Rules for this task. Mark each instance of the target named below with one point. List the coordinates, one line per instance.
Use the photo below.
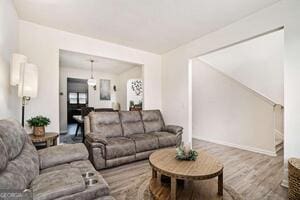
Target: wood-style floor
(252, 175)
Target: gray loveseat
(51, 173)
(115, 138)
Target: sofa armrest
(62, 154)
(174, 129)
(97, 152)
(96, 138)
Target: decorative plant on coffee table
(185, 152)
(38, 123)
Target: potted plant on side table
(38, 123)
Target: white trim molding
(63, 131)
(285, 183)
(243, 147)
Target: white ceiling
(151, 25)
(69, 59)
(256, 63)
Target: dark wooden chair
(80, 120)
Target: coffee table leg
(154, 173)
(220, 184)
(173, 188)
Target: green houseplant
(185, 152)
(38, 123)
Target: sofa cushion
(82, 165)
(3, 156)
(57, 183)
(131, 122)
(144, 141)
(62, 154)
(55, 168)
(98, 190)
(13, 136)
(152, 120)
(119, 146)
(106, 123)
(21, 170)
(165, 139)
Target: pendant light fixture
(92, 81)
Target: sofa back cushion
(23, 161)
(152, 120)
(106, 123)
(131, 122)
(3, 156)
(20, 171)
(13, 136)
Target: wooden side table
(48, 139)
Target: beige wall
(256, 63)
(175, 84)
(175, 63)
(9, 102)
(226, 112)
(42, 44)
(291, 80)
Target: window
(77, 98)
(82, 98)
(73, 98)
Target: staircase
(275, 133)
(257, 66)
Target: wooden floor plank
(252, 175)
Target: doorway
(237, 94)
(108, 90)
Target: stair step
(278, 141)
(279, 147)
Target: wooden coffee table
(205, 167)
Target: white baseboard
(247, 148)
(285, 183)
(63, 131)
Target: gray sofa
(51, 173)
(115, 138)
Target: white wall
(226, 112)
(291, 81)
(256, 63)
(41, 44)
(134, 73)
(175, 62)
(94, 95)
(8, 44)
(175, 66)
